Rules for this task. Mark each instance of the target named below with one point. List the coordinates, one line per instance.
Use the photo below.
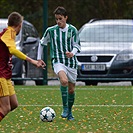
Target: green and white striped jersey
(61, 41)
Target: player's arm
(76, 42)
(22, 56)
(39, 54)
(76, 45)
(40, 51)
(8, 39)
(17, 53)
(72, 53)
(43, 42)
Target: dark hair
(14, 19)
(60, 11)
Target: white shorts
(70, 72)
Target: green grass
(98, 109)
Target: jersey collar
(65, 29)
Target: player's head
(15, 20)
(61, 16)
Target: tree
(79, 11)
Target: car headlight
(124, 57)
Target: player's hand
(41, 63)
(69, 54)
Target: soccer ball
(47, 114)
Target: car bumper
(117, 71)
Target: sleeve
(9, 39)
(46, 38)
(43, 42)
(17, 53)
(74, 51)
(76, 41)
(40, 51)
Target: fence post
(45, 23)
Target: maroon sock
(1, 116)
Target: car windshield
(107, 33)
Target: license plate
(92, 67)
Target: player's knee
(71, 91)
(64, 82)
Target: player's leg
(1, 116)
(60, 70)
(64, 92)
(13, 97)
(7, 103)
(71, 98)
(72, 76)
(4, 98)
(4, 106)
(13, 102)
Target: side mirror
(30, 40)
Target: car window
(2, 26)
(29, 31)
(107, 33)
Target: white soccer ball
(47, 114)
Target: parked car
(106, 51)
(26, 41)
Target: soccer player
(8, 99)
(64, 44)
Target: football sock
(71, 98)
(1, 116)
(64, 94)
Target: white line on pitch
(83, 105)
(57, 89)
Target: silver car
(26, 41)
(106, 51)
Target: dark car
(106, 51)
(26, 41)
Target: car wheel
(39, 82)
(91, 82)
(23, 75)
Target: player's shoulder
(51, 28)
(8, 33)
(11, 32)
(72, 27)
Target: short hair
(60, 11)
(14, 19)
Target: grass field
(97, 109)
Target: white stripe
(66, 43)
(55, 38)
(72, 42)
(61, 46)
(66, 40)
(81, 105)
